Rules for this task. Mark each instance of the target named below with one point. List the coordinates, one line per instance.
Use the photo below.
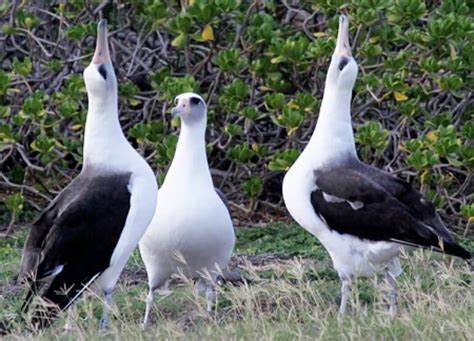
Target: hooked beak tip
(342, 19)
(175, 112)
(102, 25)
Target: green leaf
(180, 41)
(240, 153)
(4, 82)
(23, 67)
(253, 186)
(372, 135)
(283, 160)
(14, 203)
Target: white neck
(103, 132)
(333, 135)
(190, 159)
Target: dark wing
(31, 255)
(371, 206)
(74, 239)
(418, 206)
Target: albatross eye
(102, 71)
(343, 63)
(195, 101)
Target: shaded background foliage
(261, 65)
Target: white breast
(193, 222)
(298, 184)
(143, 189)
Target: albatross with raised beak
(362, 215)
(89, 230)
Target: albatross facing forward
(90, 229)
(362, 215)
(193, 232)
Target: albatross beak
(175, 112)
(343, 48)
(101, 55)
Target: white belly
(191, 232)
(351, 256)
(354, 257)
(144, 191)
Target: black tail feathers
(457, 250)
(52, 302)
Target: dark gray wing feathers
(77, 235)
(387, 209)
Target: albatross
(87, 233)
(193, 235)
(363, 216)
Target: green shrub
(262, 69)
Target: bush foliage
(261, 65)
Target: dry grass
(291, 298)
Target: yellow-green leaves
(26, 19)
(4, 82)
(253, 186)
(180, 40)
(372, 135)
(262, 72)
(240, 153)
(7, 136)
(129, 91)
(468, 211)
(230, 61)
(400, 96)
(169, 87)
(207, 33)
(22, 67)
(406, 11)
(33, 105)
(283, 160)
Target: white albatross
(362, 215)
(89, 230)
(191, 232)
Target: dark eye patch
(102, 71)
(195, 101)
(343, 63)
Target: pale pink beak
(101, 55)
(343, 48)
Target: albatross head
(190, 107)
(342, 72)
(99, 76)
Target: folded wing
(62, 248)
(370, 204)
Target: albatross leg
(345, 290)
(104, 321)
(71, 316)
(207, 286)
(210, 297)
(150, 298)
(149, 302)
(392, 283)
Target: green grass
(288, 298)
